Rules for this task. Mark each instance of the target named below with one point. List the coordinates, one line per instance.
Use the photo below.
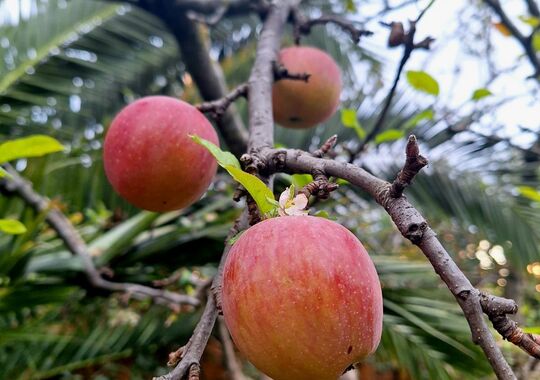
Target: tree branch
(412, 226)
(533, 8)
(525, 41)
(219, 106)
(191, 353)
(497, 309)
(262, 76)
(302, 26)
(413, 164)
(206, 73)
(396, 38)
(231, 362)
(73, 241)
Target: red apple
(298, 104)
(301, 298)
(151, 161)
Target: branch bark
(192, 352)
(412, 226)
(407, 40)
(262, 76)
(76, 245)
(302, 26)
(206, 73)
(525, 41)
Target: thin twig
(76, 245)
(231, 361)
(216, 108)
(281, 72)
(498, 309)
(173, 278)
(532, 6)
(408, 47)
(260, 80)
(192, 352)
(320, 187)
(302, 26)
(413, 164)
(525, 41)
(325, 147)
(412, 226)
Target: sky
(445, 22)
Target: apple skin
(151, 161)
(297, 104)
(301, 298)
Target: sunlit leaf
(350, 120)
(422, 81)
(480, 93)
(389, 135)
(536, 41)
(350, 6)
(323, 214)
(223, 158)
(255, 187)
(301, 180)
(31, 146)
(530, 20)
(529, 192)
(3, 173)
(12, 227)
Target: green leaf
(12, 227)
(31, 146)
(235, 238)
(273, 201)
(531, 329)
(530, 20)
(536, 41)
(301, 180)
(424, 115)
(389, 135)
(255, 187)
(350, 6)
(223, 158)
(322, 214)
(350, 120)
(480, 93)
(422, 81)
(529, 192)
(3, 173)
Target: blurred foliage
(68, 66)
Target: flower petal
(301, 201)
(284, 197)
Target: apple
(301, 298)
(299, 104)
(151, 161)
